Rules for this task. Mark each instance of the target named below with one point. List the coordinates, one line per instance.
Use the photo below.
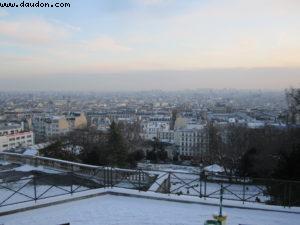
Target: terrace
(30, 185)
(131, 209)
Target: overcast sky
(151, 44)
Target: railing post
(105, 178)
(139, 180)
(205, 183)
(290, 193)
(284, 195)
(72, 174)
(111, 178)
(169, 183)
(244, 189)
(200, 184)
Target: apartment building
(152, 129)
(45, 127)
(192, 141)
(166, 136)
(13, 136)
(76, 120)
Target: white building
(152, 129)
(13, 136)
(191, 141)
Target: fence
(269, 191)
(36, 185)
(80, 177)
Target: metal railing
(268, 191)
(36, 185)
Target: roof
(111, 210)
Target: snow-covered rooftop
(121, 210)
(214, 169)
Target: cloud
(209, 34)
(33, 31)
(66, 25)
(104, 44)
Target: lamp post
(221, 201)
(220, 217)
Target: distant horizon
(165, 80)
(149, 90)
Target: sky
(113, 45)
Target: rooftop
(126, 210)
(8, 126)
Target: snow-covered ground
(169, 167)
(119, 210)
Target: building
(76, 120)
(190, 137)
(13, 136)
(46, 127)
(153, 128)
(166, 136)
(191, 141)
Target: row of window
(9, 132)
(17, 144)
(18, 138)
(190, 134)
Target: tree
(134, 157)
(248, 161)
(293, 101)
(158, 152)
(56, 150)
(286, 193)
(116, 148)
(173, 118)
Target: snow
(28, 168)
(30, 151)
(117, 210)
(4, 163)
(169, 168)
(214, 169)
(158, 182)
